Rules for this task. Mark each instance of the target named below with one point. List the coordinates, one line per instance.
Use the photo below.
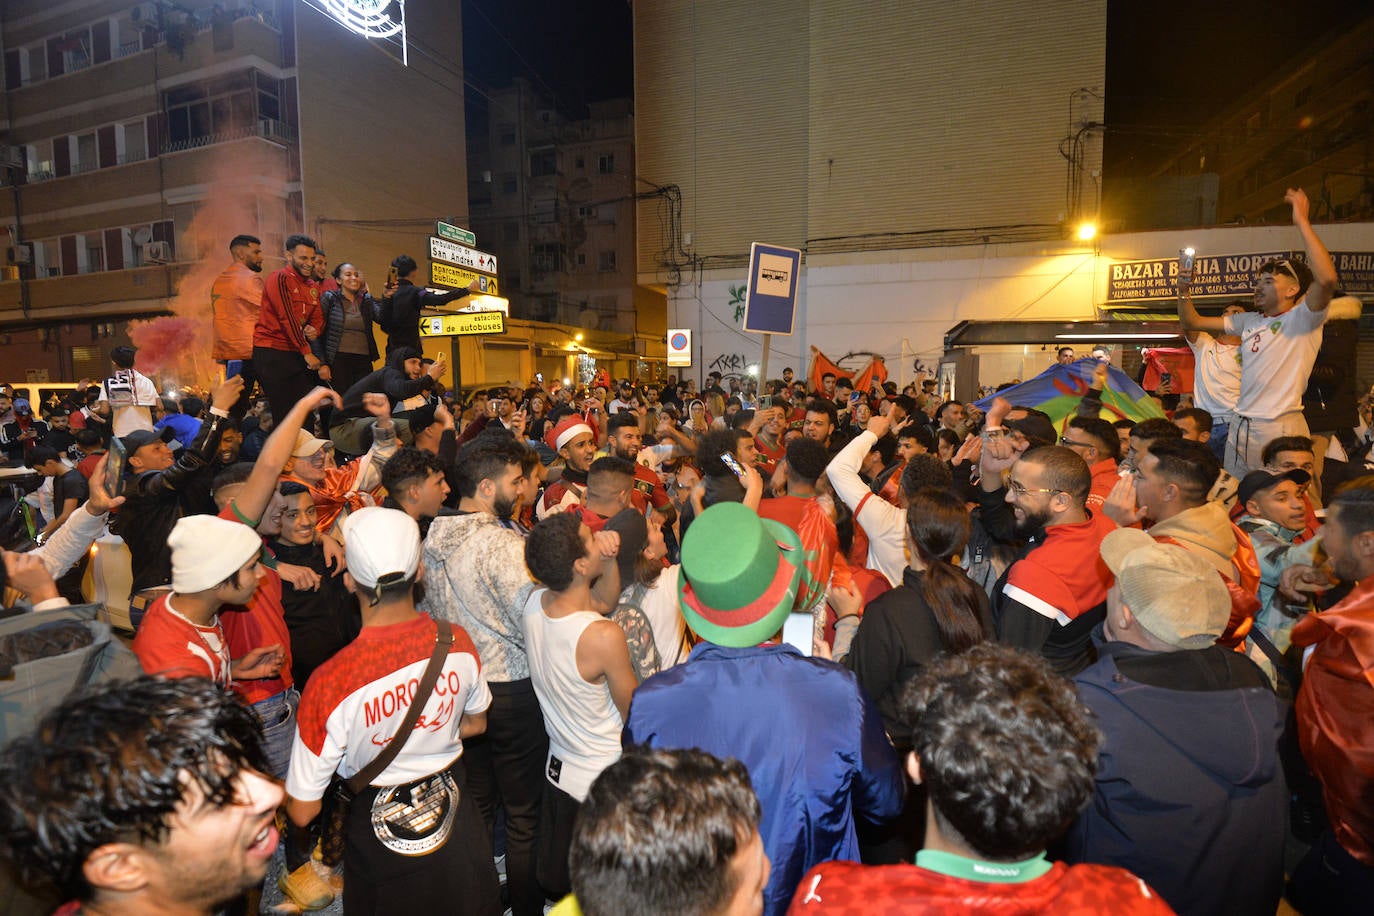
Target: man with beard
(1050, 600)
(476, 577)
(145, 796)
(625, 441)
(289, 319)
(575, 443)
(235, 298)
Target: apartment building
(137, 138)
(553, 198)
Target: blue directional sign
(770, 304)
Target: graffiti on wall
(737, 294)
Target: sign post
(455, 234)
(770, 301)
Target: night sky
(1171, 64)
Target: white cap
(206, 550)
(380, 543)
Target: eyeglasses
(1022, 490)
(319, 458)
(1065, 440)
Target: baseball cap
(1173, 593)
(141, 437)
(1262, 479)
(382, 545)
(307, 445)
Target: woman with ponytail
(937, 609)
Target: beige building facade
(137, 139)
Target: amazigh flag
(1058, 390)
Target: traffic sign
(447, 276)
(461, 255)
(770, 303)
(455, 233)
(463, 324)
(679, 347)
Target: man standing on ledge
(1278, 342)
(289, 320)
(400, 310)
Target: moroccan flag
(1176, 362)
(820, 365)
(873, 376)
(1058, 390)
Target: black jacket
(390, 380)
(321, 621)
(332, 304)
(402, 313)
(155, 500)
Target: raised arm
(252, 500)
(1188, 316)
(1318, 258)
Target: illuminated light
(567, 381)
(1189, 252)
(578, 337)
(1144, 335)
(1304, 122)
(1087, 232)
(752, 369)
(368, 18)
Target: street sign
(463, 324)
(461, 255)
(455, 234)
(770, 302)
(679, 347)
(446, 276)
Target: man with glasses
(1278, 342)
(1050, 600)
(1096, 442)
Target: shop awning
(1122, 329)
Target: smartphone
(118, 456)
(797, 631)
(731, 462)
(766, 402)
(392, 276)
(232, 368)
(1185, 259)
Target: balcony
(95, 295)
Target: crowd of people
(637, 647)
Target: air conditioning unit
(12, 157)
(157, 253)
(21, 254)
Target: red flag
(873, 376)
(820, 365)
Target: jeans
(505, 769)
(1217, 443)
(277, 715)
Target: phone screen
(114, 467)
(731, 462)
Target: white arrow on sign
(452, 253)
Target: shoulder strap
(442, 641)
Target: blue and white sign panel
(770, 304)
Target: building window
(508, 184)
(33, 63)
(90, 253)
(84, 156)
(581, 259)
(543, 162)
(506, 136)
(605, 164)
(133, 140)
(546, 258)
(580, 162)
(586, 212)
(605, 261)
(47, 258)
(224, 108)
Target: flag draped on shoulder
(1058, 390)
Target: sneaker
(306, 889)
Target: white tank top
(582, 720)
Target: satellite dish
(589, 319)
(143, 235)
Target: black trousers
(459, 877)
(285, 379)
(505, 769)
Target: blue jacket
(811, 739)
(1190, 796)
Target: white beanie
(381, 542)
(206, 550)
